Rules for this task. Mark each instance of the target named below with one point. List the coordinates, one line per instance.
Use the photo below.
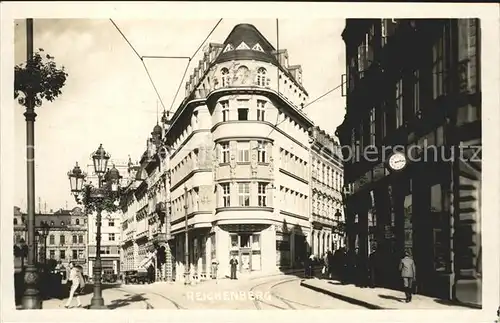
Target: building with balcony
(66, 236)
(416, 83)
(326, 182)
(110, 232)
(145, 204)
(239, 162)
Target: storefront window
(256, 242)
(244, 241)
(234, 241)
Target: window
(75, 239)
(77, 221)
(256, 241)
(372, 126)
(52, 223)
(416, 91)
(226, 195)
(80, 239)
(225, 75)
(242, 113)
(52, 239)
(15, 221)
(244, 194)
(18, 238)
(399, 103)
(261, 110)
(262, 194)
(52, 254)
(261, 153)
(225, 152)
(351, 72)
(261, 77)
(74, 254)
(62, 254)
(62, 239)
(111, 223)
(243, 151)
(362, 58)
(234, 241)
(245, 240)
(111, 236)
(80, 254)
(439, 66)
(62, 223)
(467, 54)
(225, 110)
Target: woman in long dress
(77, 282)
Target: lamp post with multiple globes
(97, 199)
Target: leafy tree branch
(92, 204)
(40, 77)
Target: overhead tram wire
(142, 61)
(189, 62)
(306, 105)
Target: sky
(109, 99)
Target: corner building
(228, 163)
(417, 83)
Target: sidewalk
(377, 298)
(113, 299)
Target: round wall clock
(397, 161)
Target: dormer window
(243, 45)
(257, 47)
(228, 48)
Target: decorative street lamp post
(44, 233)
(98, 199)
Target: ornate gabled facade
(326, 187)
(145, 203)
(242, 108)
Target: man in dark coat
(234, 264)
(408, 272)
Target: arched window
(15, 221)
(62, 223)
(225, 77)
(52, 223)
(77, 221)
(242, 75)
(261, 76)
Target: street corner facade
(239, 185)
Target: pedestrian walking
(408, 272)
(234, 264)
(324, 270)
(77, 285)
(331, 264)
(151, 273)
(215, 269)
